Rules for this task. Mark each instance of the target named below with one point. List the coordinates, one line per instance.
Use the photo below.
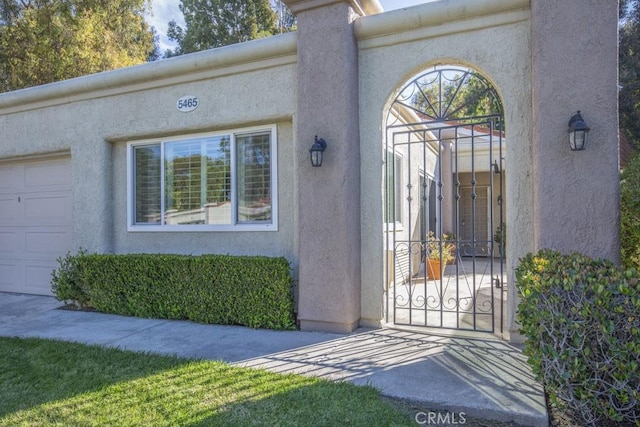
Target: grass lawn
(49, 383)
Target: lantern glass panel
(316, 158)
(577, 139)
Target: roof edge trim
(122, 79)
(431, 14)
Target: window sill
(393, 226)
(201, 228)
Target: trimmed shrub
(581, 318)
(630, 214)
(240, 290)
(67, 281)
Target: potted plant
(439, 252)
(449, 240)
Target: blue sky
(165, 10)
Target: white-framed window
(222, 181)
(394, 173)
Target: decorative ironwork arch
(448, 94)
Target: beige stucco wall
(93, 117)
(390, 56)
(576, 193)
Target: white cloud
(163, 11)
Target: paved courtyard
(470, 295)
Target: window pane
(398, 199)
(388, 211)
(198, 181)
(184, 183)
(254, 177)
(147, 184)
(218, 180)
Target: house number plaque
(187, 103)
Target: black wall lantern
(578, 131)
(316, 151)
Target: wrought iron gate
(444, 220)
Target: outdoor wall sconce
(578, 131)
(316, 151)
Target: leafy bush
(67, 281)
(251, 291)
(630, 214)
(581, 318)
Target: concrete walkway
(483, 377)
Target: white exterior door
(35, 223)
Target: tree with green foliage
(43, 41)
(629, 71)
(215, 23)
(286, 19)
(630, 213)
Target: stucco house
(447, 118)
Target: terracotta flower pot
(434, 269)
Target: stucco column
(574, 67)
(328, 196)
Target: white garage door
(35, 223)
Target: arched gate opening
(443, 203)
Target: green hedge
(581, 318)
(630, 213)
(222, 289)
